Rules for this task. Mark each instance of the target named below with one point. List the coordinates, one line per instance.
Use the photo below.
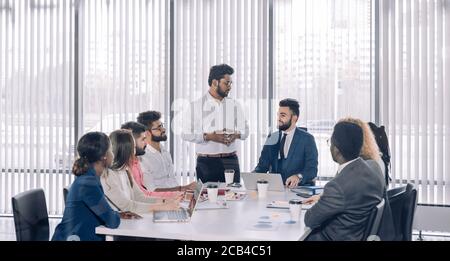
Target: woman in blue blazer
(86, 206)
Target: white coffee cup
(213, 190)
(229, 176)
(262, 186)
(295, 207)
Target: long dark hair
(123, 148)
(91, 148)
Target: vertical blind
(215, 32)
(322, 52)
(36, 99)
(123, 61)
(122, 71)
(415, 87)
(323, 56)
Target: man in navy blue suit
(291, 151)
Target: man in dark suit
(343, 209)
(291, 151)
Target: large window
(323, 59)
(123, 61)
(36, 99)
(415, 91)
(69, 67)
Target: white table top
(232, 224)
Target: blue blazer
(301, 158)
(86, 208)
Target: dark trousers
(212, 169)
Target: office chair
(31, 216)
(373, 223)
(403, 202)
(395, 192)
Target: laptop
(182, 214)
(274, 179)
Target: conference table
(244, 220)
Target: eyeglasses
(160, 127)
(228, 83)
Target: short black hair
(348, 138)
(217, 72)
(148, 117)
(293, 105)
(135, 127)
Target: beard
(163, 137)
(285, 126)
(221, 93)
(335, 153)
(139, 151)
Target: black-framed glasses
(228, 83)
(160, 127)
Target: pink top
(138, 176)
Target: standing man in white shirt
(215, 124)
(156, 163)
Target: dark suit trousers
(212, 169)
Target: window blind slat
(431, 99)
(408, 89)
(398, 99)
(439, 103)
(446, 85)
(423, 100)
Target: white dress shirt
(342, 166)
(158, 169)
(287, 144)
(209, 115)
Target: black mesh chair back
(403, 202)
(31, 216)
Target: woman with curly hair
(369, 150)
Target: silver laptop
(182, 214)
(274, 179)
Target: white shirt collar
(289, 133)
(342, 166)
(149, 148)
(210, 97)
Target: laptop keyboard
(177, 215)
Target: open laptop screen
(195, 197)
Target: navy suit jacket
(301, 158)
